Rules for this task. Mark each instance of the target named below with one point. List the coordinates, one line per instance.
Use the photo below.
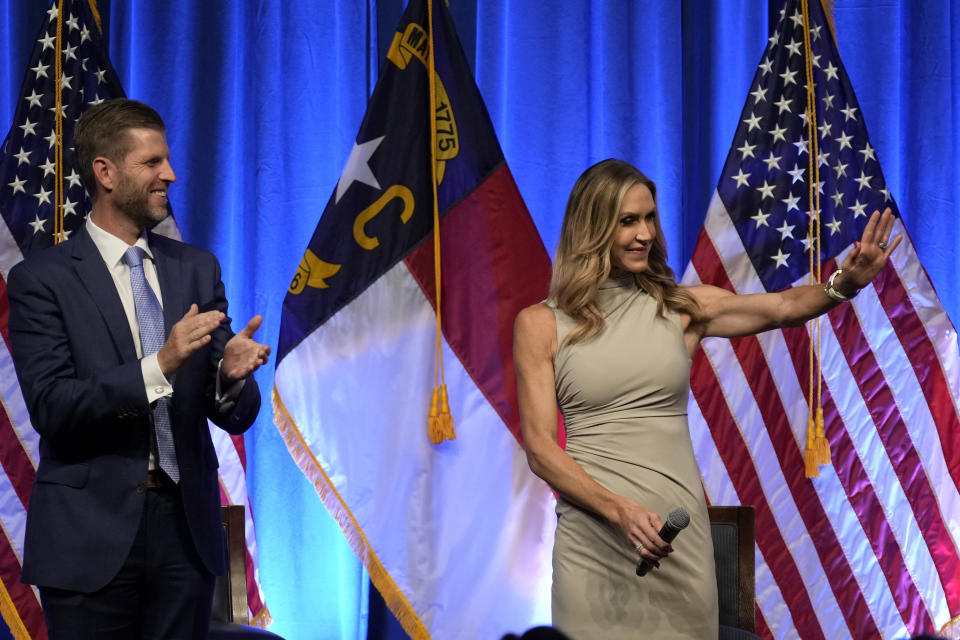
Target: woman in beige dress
(612, 347)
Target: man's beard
(135, 204)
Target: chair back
(733, 553)
(230, 590)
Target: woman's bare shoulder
(536, 325)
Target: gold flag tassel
(440, 421)
(818, 447)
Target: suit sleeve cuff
(227, 399)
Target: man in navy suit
(123, 532)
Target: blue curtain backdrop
(263, 98)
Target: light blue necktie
(152, 337)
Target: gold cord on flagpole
(818, 447)
(440, 421)
(96, 14)
(58, 234)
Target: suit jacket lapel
(96, 278)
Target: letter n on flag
(455, 536)
(869, 548)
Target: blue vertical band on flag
(381, 208)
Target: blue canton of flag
(766, 180)
(27, 163)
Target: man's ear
(105, 171)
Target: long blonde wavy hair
(583, 263)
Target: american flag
(28, 173)
(869, 549)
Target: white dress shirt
(112, 249)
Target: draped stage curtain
(263, 98)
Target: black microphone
(677, 520)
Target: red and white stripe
(871, 548)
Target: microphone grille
(678, 518)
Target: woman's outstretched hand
(868, 256)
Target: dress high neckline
(621, 282)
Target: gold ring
(640, 547)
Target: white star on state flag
(358, 167)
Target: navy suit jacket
(82, 383)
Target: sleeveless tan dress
(623, 396)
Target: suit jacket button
(141, 488)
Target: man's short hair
(102, 131)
